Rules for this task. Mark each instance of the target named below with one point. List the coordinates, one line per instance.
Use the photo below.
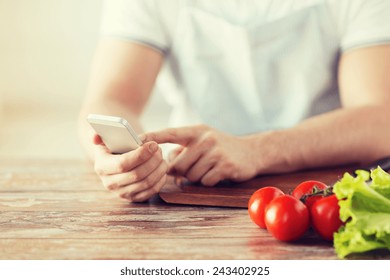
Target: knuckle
(215, 157)
(136, 175)
(207, 144)
(172, 132)
(112, 186)
(212, 180)
(127, 196)
(143, 155)
(142, 197)
(210, 139)
(234, 176)
(147, 183)
(201, 127)
(223, 173)
(161, 184)
(150, 136)
(180, 170)
(229, 167)
(136, 199)
(150, 181)
(193, 177)
(173, 155)
(121, 164)
(98, 168)
(219, 154)
(206, 182)
(218, 172)
(156, 189)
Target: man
(258, 87)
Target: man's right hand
(136, 175)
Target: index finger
(180, 135)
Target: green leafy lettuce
(365, 207)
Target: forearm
(122, 77)
(352, 135)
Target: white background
(291, 269)
(46, 47)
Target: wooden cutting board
(238, 194)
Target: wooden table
(58, 209)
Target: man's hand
(207, 155)
(136, 175)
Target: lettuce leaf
(381, 182)
(365, 209)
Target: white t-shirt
(248, 66)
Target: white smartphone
(116, 133)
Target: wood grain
(57, 209)
(158, 248)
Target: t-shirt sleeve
(365, 23)
(134, 20)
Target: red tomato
(287, 218)
(259, 201)
(306, 188)
(325, 214)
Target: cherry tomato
(259, 201)
(307, 188)
(325, 214)
(287, 218)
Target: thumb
(100, 147)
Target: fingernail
(142, 137)
(153, 147)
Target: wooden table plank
(47, 175)
(61, 201)
(153, 223)
(158, 248)
(57, 209)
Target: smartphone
(116, 133)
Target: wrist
(272, 152)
